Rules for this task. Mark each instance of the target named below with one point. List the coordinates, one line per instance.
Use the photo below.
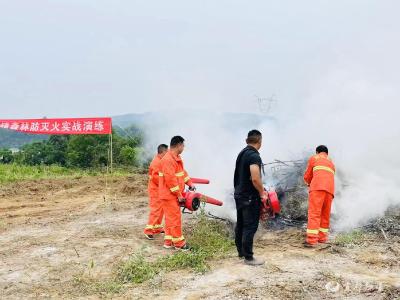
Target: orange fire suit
(319, 176)
(173, 178)
(154, 224)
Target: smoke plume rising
(354, 116)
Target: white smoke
(210, 152)
(349, 101)
(356, 118)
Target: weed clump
(355, 237)
(209, 239)
(136, 270)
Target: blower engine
(272, 205)
(194, 199)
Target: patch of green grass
(210, 237)
(15, 172)
(136, 270)
(195, 260)
(355, 237)
(209, 240)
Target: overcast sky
(92, 58)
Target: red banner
(60, 126)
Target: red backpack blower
(270, 206)
(194, 199)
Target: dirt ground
(54, 231)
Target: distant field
(14, 172)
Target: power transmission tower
(266, 104)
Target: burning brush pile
(287, 178)
(389, 224)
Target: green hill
(12, 139)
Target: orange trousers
(319, 213)
(154, 224)
(173, 223)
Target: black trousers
(248, 218)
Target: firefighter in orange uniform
(319, 176)
(173, 178)
(154, 224)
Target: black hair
(322, 148)
(162, 148)
(253, 137)
(176, 140)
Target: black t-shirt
(244, 188)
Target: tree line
(80, 151)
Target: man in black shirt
(249, 191)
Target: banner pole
(108, 154)
(111, 151)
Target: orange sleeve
(154, 175)
(187, 179)
(171, 181)
(308, 175)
